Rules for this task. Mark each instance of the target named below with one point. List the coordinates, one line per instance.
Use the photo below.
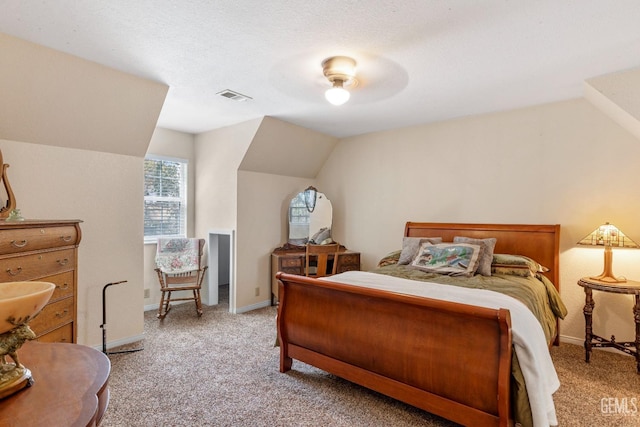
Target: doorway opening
(220, 268)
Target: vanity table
(291, 259)
(310, 218)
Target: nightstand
(591, 340)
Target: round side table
(592, 340)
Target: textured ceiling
(419, 61)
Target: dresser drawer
(291, 262)
(65, 285)
(348, 262)
(31, 239)
(62, 334)
(36, 266)
(293, 270)
(53, 316)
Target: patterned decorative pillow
(516, 265)
(484, 268)
(390, 259)
(454, 259)
(410, 246)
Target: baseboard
(150, 307)
(571, 340)
(239, 310)
(251, 307)
(118, 343)
(154, 307)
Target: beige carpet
(222, 370)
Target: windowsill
(154, 240)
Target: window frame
(183, 199)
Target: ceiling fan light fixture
(341, 72)
(337, 95)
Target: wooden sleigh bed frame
(403, 346)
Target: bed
(451, 357)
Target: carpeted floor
(222, 370)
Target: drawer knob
(20, 244)
(14, 272)
(63, 261)
(66, 238)
(64, 287)
(61, 314)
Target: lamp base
(608, 279)
(607, 274)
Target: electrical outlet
(257, 292)
(147, 293)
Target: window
(298, 212)
(165, 198)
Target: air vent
(233, 95)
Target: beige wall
(561, 163)
(263, 203)
(104, 191)
(218, 156)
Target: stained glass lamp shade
(608, 235)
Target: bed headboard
(539, 242)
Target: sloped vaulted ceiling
(282, 148)
(618, 96)
(53, 98)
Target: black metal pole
(104, 321)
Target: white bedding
(528, 338)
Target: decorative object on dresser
(608, 235)
(20, 302)
(15, 215)
(591, 340)
(10, 204)
(45, 251)
(70, 388)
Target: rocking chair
(178, 264)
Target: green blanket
(537, 293)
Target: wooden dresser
(47, 251)
(290, 259)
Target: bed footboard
(450, 359)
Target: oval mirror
(310, 218)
